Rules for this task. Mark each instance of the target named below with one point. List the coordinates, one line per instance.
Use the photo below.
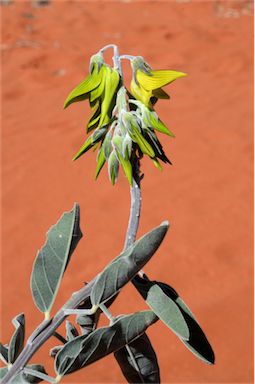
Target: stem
(40, 375)
(135, 209)
(60, 337)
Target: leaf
(84, 350)
(53, 258)
(145, 358)
(17, 341)
(197, 343)
(163, 306)
(4, 353)
(71, 331)
(3, 372)
(33, 379)
(100, 162)
(126, 265)
(23, 378)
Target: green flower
(100, 88)
(146, 84)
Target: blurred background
(206, 194)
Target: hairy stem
(135, 209)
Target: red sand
(206, 194)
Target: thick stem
(135, 209)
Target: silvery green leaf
(17, 341)
(146, 369)
(52, 259)
(4, 353)
(197, 343)
(23, 378)
(84, 350)
(71, 331)
(55, 350)
(163, 306)
(127, 264)
(3, 372)
(30, 378)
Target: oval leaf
(163, 306)
(125, 267)
(71, 331)
(52, 259)
(145, 358)
(4, 353)
(17, 340)
(197, 343)
(84, 350)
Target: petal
(82, 89)
(160, 94)
(85, 147)
(112, 79)
(157, 79)
(140, 93)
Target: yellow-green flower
(100, 88)
(147, 83)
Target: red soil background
(206, 194)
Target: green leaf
(82, 89)
(197, 343)
(17, 341)
(163, 306)
(100, 162)
(4, 353)
(145, 359)
(52, 259)
(71, 331)
(126, 265)
(84, 350)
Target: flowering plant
(123, 127)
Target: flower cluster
(123, 122)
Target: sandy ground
(206, 194)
